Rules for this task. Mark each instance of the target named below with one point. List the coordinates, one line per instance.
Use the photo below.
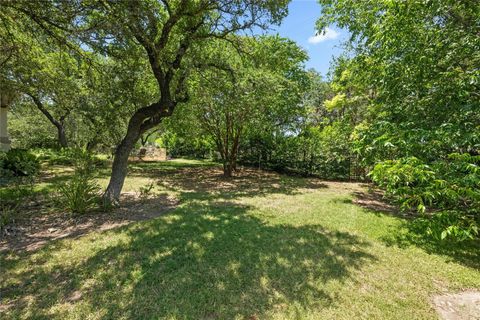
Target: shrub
(65, 156)
(19, 162)
(145, 191)
(450, 225)
(56, 157)
(451, 186)
(80, 193)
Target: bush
(450, 186)
(145, 191)
(19, 162)
(65, 156)
(321, 150)
(80, 193)
(450, 225)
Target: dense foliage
(18, 162)
(414, 81)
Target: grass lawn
(260, 246)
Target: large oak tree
(172, 35)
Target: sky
(299, 26)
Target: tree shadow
(413, 232)
(201, 261)
(39, 226)
(41, 222)
(374, 201)
(209, 183)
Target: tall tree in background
(258, 87)
(416, 62)
(34, 65)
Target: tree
(51, 80)
(258, 86)
(417, 62)
(40, 68)
(170, 35)
(415, 67)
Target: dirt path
(459, 306)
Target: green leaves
(444, 185)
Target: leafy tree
(415, 70)
(170, 35)
(419, 61)
(37, 67)
(257, 89)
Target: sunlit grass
(269, 247)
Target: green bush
(145, 191)
(19, 162)
(449, 187)
(448, 225)
(80, 193)
(317, 150)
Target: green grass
(261, 246)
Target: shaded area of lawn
(208, 184)
(41, 221)
(203, 261)
(258, 246)
(412, 232)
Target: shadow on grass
(192, 181)
(202, 261)
(37, 228)
(209, 183)
(412, 232)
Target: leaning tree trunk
(143, 119)
(62, 138)
(120, 166)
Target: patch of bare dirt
(245, 182)
(35, 230)
(40, 224)
(373, 199)
(458, 306)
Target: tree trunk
(230, 162)
(143, 120)
(91, 145)
(227, 169)
(62, 137)
(119, 169)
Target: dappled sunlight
(261, 246)
(223, 256)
